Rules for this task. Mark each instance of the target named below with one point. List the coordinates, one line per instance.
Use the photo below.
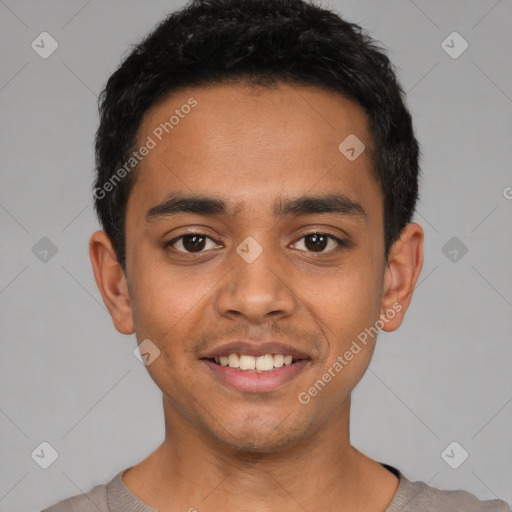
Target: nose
(257, 290)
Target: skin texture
(225, 449)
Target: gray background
(70, 379)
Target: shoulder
(94, 500)
(419, 496)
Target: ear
(111, 282)
(404, 265)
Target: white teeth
(247, 363)
(260, 364)
(265, 363)
(234, 360)
(278, 360)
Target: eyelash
(338, 241)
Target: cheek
(347, 312)
(351, 299)
(166, 304)
(167, 312)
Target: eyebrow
(338, 204)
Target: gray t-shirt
(409, 497)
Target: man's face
(255, 274)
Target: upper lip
(255, 349)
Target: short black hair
(261, 42)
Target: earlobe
(111, 282)
(404, 265)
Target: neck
(192, 470)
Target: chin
(261, 435)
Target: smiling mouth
(247, 363)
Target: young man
(257, 176)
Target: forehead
(253, 145)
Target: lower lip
(256, 382)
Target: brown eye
(190, 243)
(317, 242)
